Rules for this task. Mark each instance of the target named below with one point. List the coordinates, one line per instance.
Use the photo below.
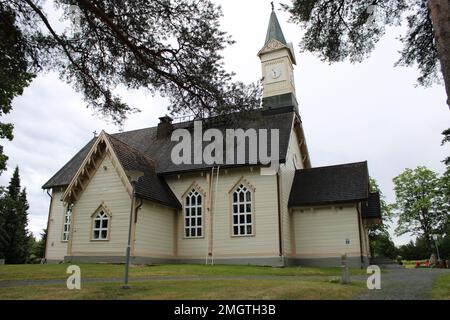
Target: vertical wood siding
(104, 187)
(154, 231)
(265, 216)
(196, 248)
(56, 248)
(287, 173)
(322, 233)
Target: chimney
(164, 127)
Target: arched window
(100, 230)
(193, 215)
(66, 225)
(242, 211)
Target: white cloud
(370, 111)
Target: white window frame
(101, 216)
(66, 222)
(242, 211)
(191, 223)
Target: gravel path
(404, 284)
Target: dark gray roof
(149, 186)
(274, 30)
(327, 185)
(371, 208)
(146, 142)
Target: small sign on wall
(347, 241)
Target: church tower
(277, 61)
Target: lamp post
(435, 238)
(134, 178)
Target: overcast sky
(370, 111)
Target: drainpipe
(359, 234)
(208, 210)
(141, 202)
(214, 212)
(48, 224)
(280, 235)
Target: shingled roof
(149, 186)
(274, 30)
(329, 185)
(146, 142)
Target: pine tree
(22, 242)
(14, 213)
(14, 185)
(40, 247)
(381, 243)
(3, 241)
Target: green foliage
(14, 75)
(15, 239)
(341, 29)
(168, 47)
(421, 203)
(3, 237)
(417, 250)
(446, 134)
(39, 250)
(444, 242)
(381, 244)
(386, 210)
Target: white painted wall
(154, 235)
(287, 173)
(190, 248)
(265, 242)
(56, 248)
(322, 233)
(104, 187)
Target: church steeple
(274, 30)
(277, 61)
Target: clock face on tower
(275, 72)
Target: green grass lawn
(441, 288)
(192, 290)
(58, 271)
(311, 283)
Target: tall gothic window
(193, 215)
(66, 225)
(242, 211)
(100, 228)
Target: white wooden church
(231, 214)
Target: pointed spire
(274, 31)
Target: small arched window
(242, 211)
(100, 230)
(193, 215)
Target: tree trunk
(440, 17)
